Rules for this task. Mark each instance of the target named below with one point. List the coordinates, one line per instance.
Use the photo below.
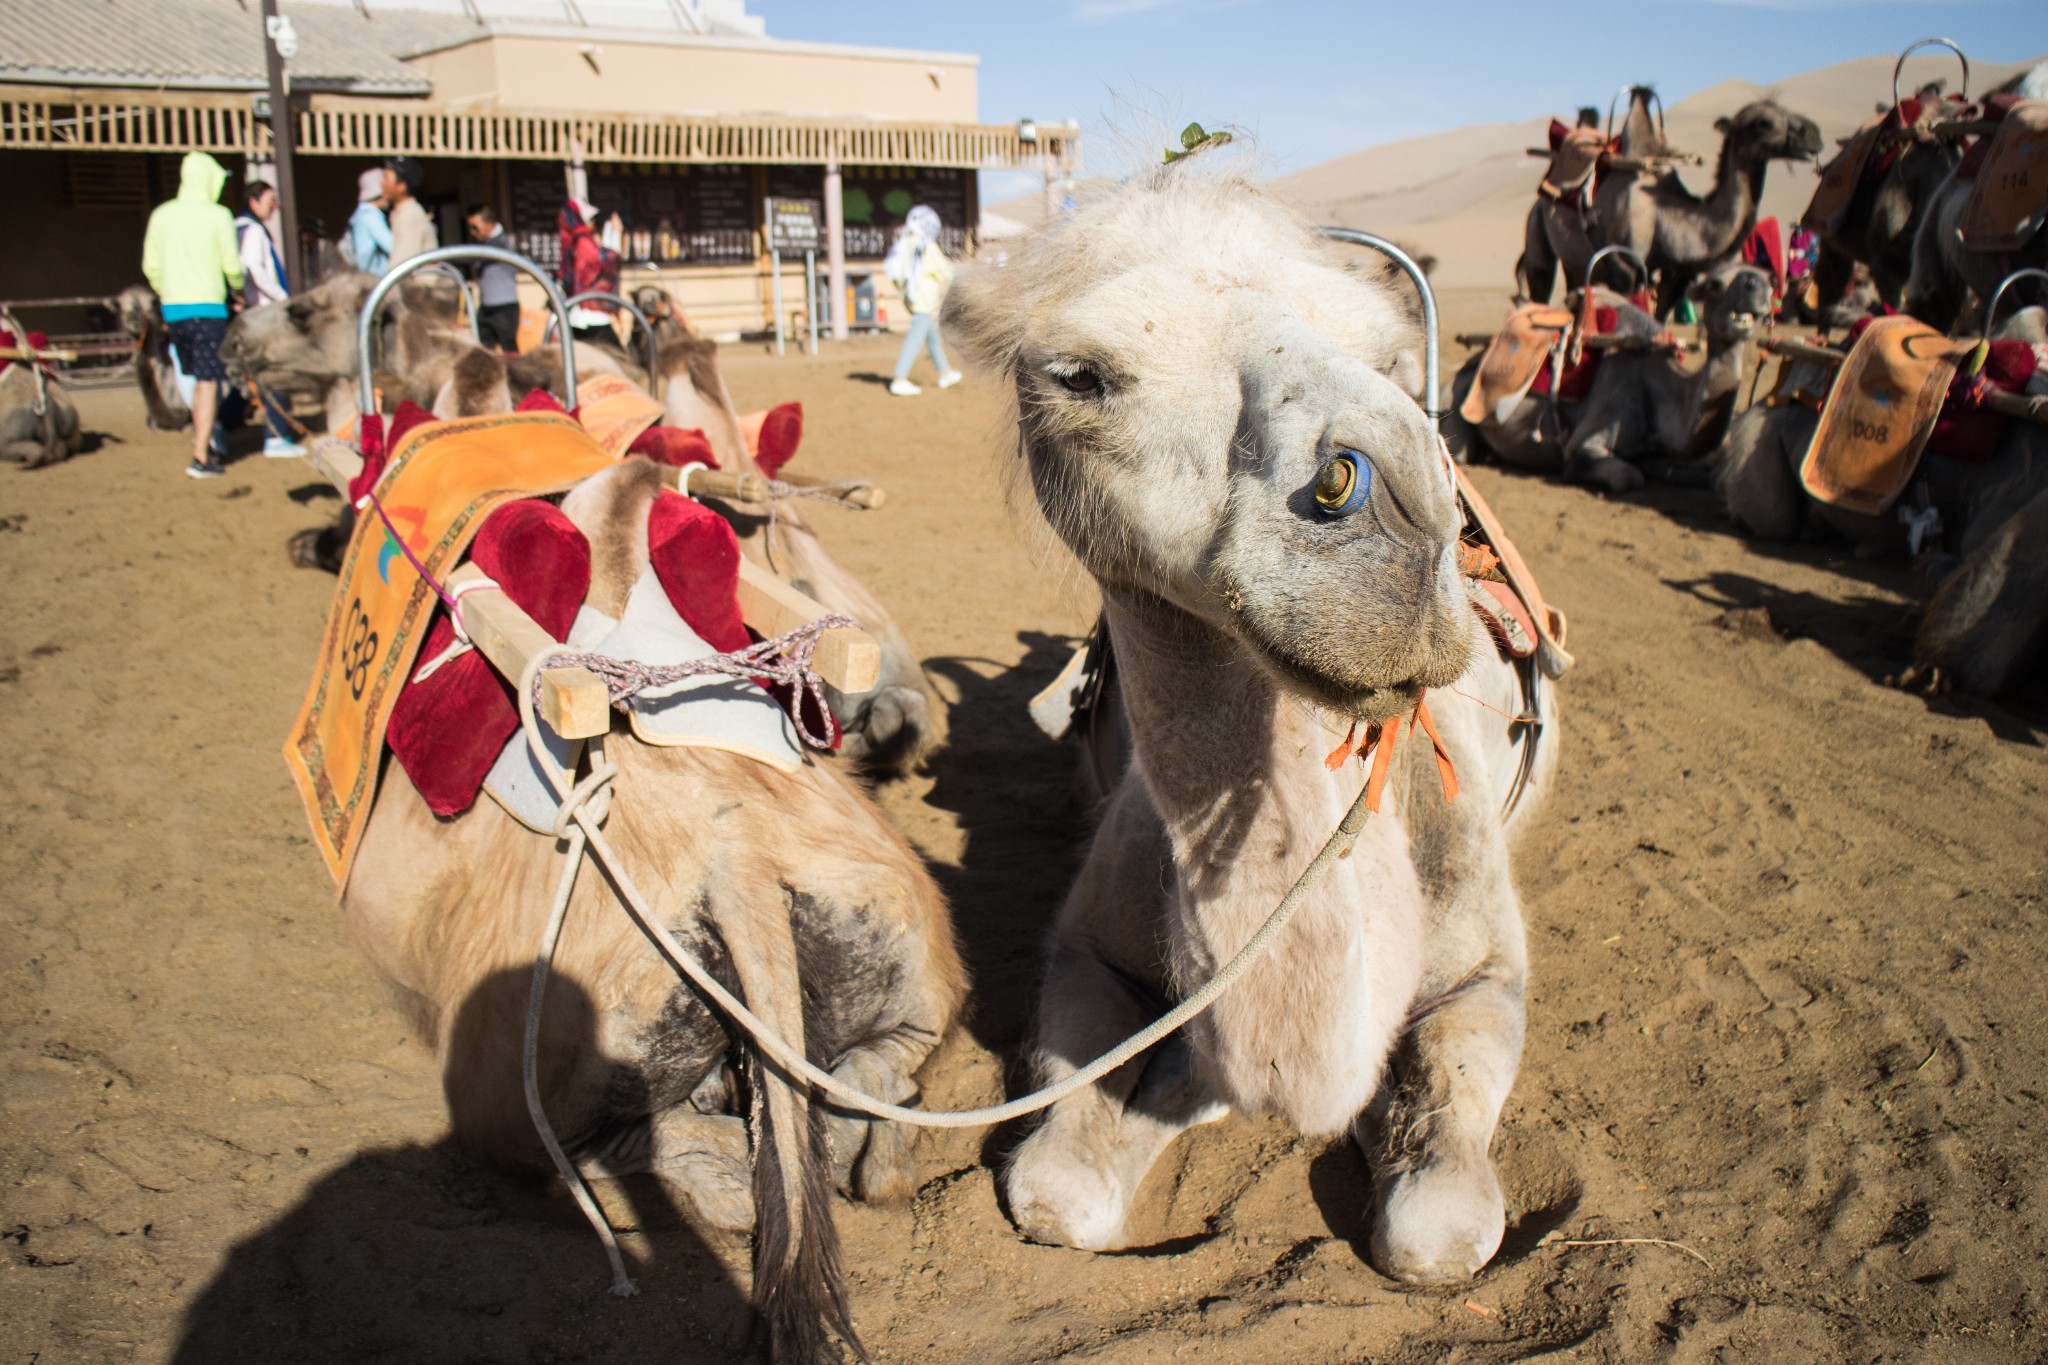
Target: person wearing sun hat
(369, 233)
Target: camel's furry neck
(1234, 768)
(1686, 406)
(1719, 222)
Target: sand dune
(1462, 194)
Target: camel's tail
(799, 1282)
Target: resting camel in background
(1191, 364)
(308, 345)
(1986, 627)
(1947, 272)
(1649, 406)
(791, 887)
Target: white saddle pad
(709, 712)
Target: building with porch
(681, 115)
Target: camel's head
(1767, 131)
(308, 343)
(1215, 407)
(1735, 303)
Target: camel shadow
(423, 1253)
(1016, 794)
(1873, 635)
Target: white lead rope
(573, 819)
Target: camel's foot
(702, 1156)
(1071, 1184)
(893, 731)
(1059, 1202)
(1605, 471)
(29, 453)
(1438, 1223)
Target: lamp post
(280, 45)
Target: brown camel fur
(1683, 236)
(791, 887)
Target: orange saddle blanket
(1513, 358)
(439, 484)
(2010, 199)
(1879, 415)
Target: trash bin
(862, 293)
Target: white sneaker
(278, 448)
(950, 378)
(903, 388)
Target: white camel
(1216, 414)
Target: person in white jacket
(918, 267)
(264, 278)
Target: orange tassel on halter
(1380, 740)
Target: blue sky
(1315, 78)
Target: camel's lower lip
(1372, 701)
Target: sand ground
(1789, 1012)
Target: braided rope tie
(784, 659)
(578, 824)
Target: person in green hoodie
(190, 258)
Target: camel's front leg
(1440, 1216)
(1072, 1181)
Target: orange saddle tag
(440, 484)
(2010, 198)
(1879, 414)
(1513, 358)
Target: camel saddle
(1513, 359)
(2010, 197)
(439, 484)
(1883, 408)
(1867, 155)
(1574, 156)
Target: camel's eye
(1343, 483)
(1081, 380)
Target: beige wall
(650, 78)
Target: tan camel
(1190, 365)
(1648, 406)
(1683, 236)
(308, 345)
(38, 422)
(791, 886)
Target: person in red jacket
(587, 264)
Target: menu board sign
(792, 224)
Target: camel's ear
(980, 315)
(1723, 125)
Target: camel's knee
(702, 1157)
(893, 730)
(873, 1159)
